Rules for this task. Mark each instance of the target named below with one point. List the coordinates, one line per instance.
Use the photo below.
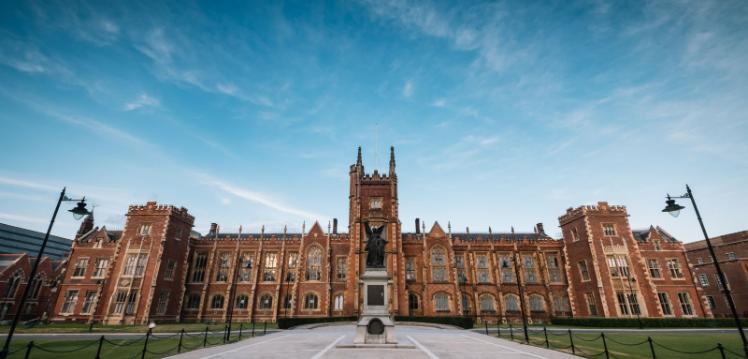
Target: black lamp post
(674, 210)
(521, 297)
(232, 291)
(78, 212)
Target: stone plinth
(375, 325)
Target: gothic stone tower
(373, 199)
(150, 263)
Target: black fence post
(605, 346)
(253, 328)
(486, 323)
(511, 331)
(179, 345)
(265, 327)
(145, 344)
(721, 350)
(28, 349)
(498, 330)
(240, 330)
(545, 332)
(225, 333)
(98, 350)
(571, 341)
(205, 338)
(90, 327)
(652, 347)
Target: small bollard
(205, 338)
(98, 350)
(571, 341)
(28, 349)
(605, 346)
(240, 330)
(498, 329)
(652, 348)
(721, 350)
(265, 327)
(511, 331)
(486, 323)
(179, 345)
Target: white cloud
(254, 197)
(19, 218)
(144, 100)
(23, 183)
(440, 102)
(408, 89)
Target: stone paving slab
(322, 342)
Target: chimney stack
(539, 228)
(334, 226)
(213, 229)
(418, 226)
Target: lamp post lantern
(674, 210)
(78, 212)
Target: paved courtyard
(427, 343)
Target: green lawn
(159, 346)
(631, 345)
(98, 328)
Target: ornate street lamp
(78, 212)
(674, 210)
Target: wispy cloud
(24, 183)
(143, 100)
(408, 89)
(254, 196)
(21, 218)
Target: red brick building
(617, 272)
(14, 277)
(156, 270)
(732, 252)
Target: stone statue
(375, 246)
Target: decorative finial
(423, 226)
(240, 232)
(467, 230)
(329, 226)
(512, 229)
(285, 230)
(392, 161)
(262, 230)
(489, 230)
(303, 228)
(449, 227)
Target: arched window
(413, 302)
(217, 302)
(36, 286)
(12, 286)
(193, 301)
(486, 303)
(339, 302)
(311, 301)
(465, 304)
(241, 301)
(537, 304)
(438, 264)
(314, 263)
(266, 301)
(441, 302)
(511, 303)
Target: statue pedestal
(375, 326)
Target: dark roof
(642, 235)
(20, 240)
(494, 236)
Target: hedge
(462, 322)
(647, 322)
(285, 323)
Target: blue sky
(502, 114)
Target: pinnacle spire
(358, 159)
(392, 160)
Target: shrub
(462, 322)
(646, 322)
(285, 323)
